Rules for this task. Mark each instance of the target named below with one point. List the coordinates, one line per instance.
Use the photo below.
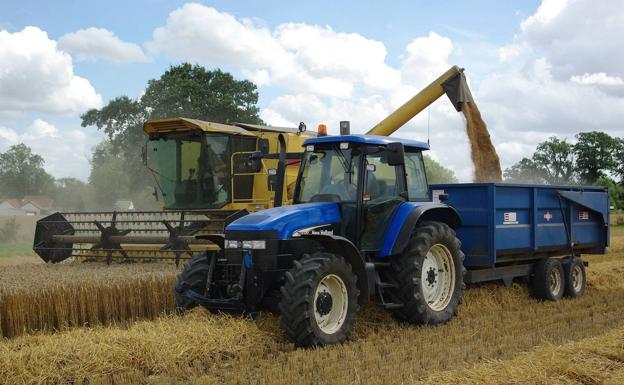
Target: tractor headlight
(255, 245)
(258, 244)
(231, 244)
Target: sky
(536, 68)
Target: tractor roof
(368, 139)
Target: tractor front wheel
(193, 277)
(319, 300)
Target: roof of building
(368, 139)
(41, 201)
(14, 202)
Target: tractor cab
(368, 177)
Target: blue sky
(344, 60)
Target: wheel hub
(431, 276)
(324, 303)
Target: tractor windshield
(193, 169)
(331, 172)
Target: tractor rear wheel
(193, 277)
(429, 275)
(575, 278)
(548, 279)
(319, 300)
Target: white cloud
(577, 36)
(295, 56)
(600, 78)
(98, 43)
(36, 76)
(66, 152)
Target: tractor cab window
(383, 186)
(417, 187)
(329, 173)
(193, 169)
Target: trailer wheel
(429, 275)
(548, 279)
(575, 278)
(193, 277)
(319, 300)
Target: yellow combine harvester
(209, 175)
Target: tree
(108, 176)
(194, 92)
(554, 159)
(185, 90)
(73, 195)
(552, 163)
(619, 160)
(22, 173)
(616, 193)
(595, 155)
(436, 173)
(525, 171)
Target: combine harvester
(209, 174)
(366, 225)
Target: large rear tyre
(429, 275)
(548, 279)
(319, 300)
(575, 278)
(193, 277)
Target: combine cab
(209, 174)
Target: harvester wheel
(193, 277)
(575, 278)
(319, 300)
(429, 275)
(548, 279)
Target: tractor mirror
(396, 154)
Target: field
(501, 336)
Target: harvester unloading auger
(210, 174)
(452, 83)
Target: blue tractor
(362, 226)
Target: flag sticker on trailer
(583, 215)
(510, 218)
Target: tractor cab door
(384, 192)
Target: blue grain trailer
(366, 226)
(507, 227)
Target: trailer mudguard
(345, 248)
(407, 216)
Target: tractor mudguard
(342, 246)
(217, 239)
(407, 216)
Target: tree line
(596, 158)
(116, 166)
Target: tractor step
(391, 306)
